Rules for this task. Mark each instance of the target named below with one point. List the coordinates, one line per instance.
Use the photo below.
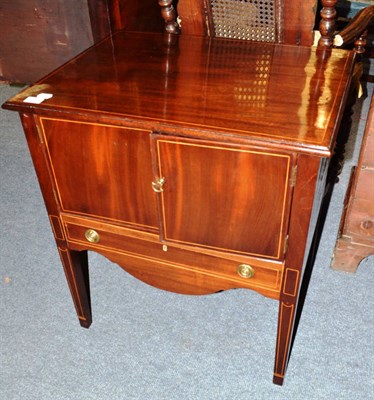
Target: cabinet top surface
(281, 93)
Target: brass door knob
(157, 186)
(92, 236)
(245, 271)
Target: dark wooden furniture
(37, 36)
(356, 233)
(197, 164)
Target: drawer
(146, 252)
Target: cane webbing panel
(251, 97)
(244, 19)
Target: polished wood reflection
(263, 91)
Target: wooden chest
(356, 233)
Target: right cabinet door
(224, 197)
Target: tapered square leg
(310, 183)
(285, 333)
(75, 265)
(278, 380)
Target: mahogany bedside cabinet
(197, 164)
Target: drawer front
(145, 248)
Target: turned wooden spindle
(360, 43)
(169, 15)
(327, 24)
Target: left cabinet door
(102, 171)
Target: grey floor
(148, 344)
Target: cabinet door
(222, 197)
(102, 171)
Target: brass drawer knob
(245, 271)
(92, 236)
